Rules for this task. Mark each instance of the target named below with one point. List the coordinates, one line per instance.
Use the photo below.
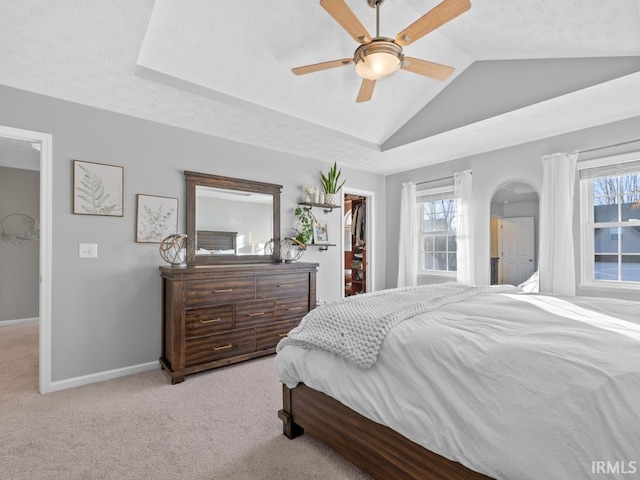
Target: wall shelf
(321, 246)
(327, 207)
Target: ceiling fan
(379, 57)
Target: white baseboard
(102, 376)
(19, 321)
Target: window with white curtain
(610, 220)
(437, 231)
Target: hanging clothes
(359, 225)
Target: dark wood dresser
(215, 315)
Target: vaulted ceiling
(525, 69)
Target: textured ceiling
(222, 67)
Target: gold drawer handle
(223, 291)
(285, 285)
(257, 314)
(224, 347)
(283, 335)
(294, 308)
(210, 321)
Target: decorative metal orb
(176, 249)
(291, 250)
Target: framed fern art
(98, 189)
(157, 218)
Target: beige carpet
(220, 424)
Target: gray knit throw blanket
(355, 327)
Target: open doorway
(357, 244)
(514, 234)
(33, 170)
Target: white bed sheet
(518, 387)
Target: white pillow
(531, 284)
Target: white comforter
(515, 386)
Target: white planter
(331, 198)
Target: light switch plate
(88, 250)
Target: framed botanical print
(156, 218)
(98, 189)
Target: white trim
(18, 321)
(587, 225)
(435, 190)
(46, 200)
(605, 161)
(103, 376)
(608, 285)
(436, 273)
(370, 245)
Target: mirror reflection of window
(232, 222)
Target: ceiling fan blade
(366, 90)
(342, 14)
(434, 18)
(316, 67)
(428, 69)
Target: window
(437, 231)
(610, 205)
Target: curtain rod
(436, 180)
(609, 146)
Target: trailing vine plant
(305, 220)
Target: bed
(216, 242)
(499, 384)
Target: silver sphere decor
(176, 249)
(291, 250)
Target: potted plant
(331, 184)
(305, 221)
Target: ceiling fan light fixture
(378, 59)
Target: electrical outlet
(88, 250)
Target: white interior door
(516, 249)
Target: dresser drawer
(269, 336)
(257, 312)
(278, 286)
(208, 320)
(292, 308)
(216, 292)
(223, 345)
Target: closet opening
(355, 244)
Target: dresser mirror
(232, 220)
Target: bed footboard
(376, 449)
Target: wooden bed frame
(376, 449)
(215, 240)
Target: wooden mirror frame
(195, 179)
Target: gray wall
(494, 169)
(19, 264)
(107, 311)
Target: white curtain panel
(556, 261)
(408, 248)
(463, 192)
